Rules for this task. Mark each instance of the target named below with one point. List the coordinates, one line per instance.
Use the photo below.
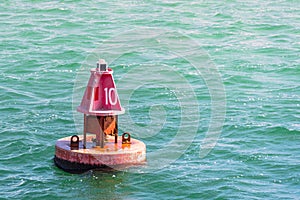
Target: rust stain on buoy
(99, 146)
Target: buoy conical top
(100, 97)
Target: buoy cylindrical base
(112, 155)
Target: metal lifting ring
(74, 142)
(126, 138)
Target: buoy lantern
(100, 146)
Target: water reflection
(103, 184)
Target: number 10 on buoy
(110, 96)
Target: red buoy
(99, 146)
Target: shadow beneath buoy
(79, 168)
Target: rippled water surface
(254, 45)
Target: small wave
(24, 93)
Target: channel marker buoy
(100, 146)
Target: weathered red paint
(101, 97)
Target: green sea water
(47, 47)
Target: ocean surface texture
(244, 77)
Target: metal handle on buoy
(126, 138)
(74, 142)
